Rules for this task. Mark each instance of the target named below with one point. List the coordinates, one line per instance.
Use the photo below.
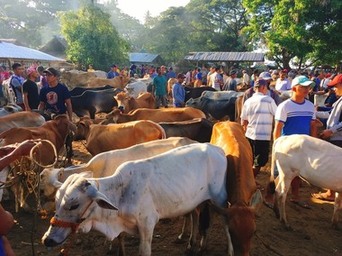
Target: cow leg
(230, 248)
(204, 224)
(186, 219)
(194, 222)
(3, 178)
(281, 193)
(146, 228)
(68, 146)
(337, 208)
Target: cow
(139, 194)
(21, 119)
(135, 88)
(198, 129)
(54, 131)
(92, 102)
(155, 115)
(101, 138)
(117, 82)
(105, 164)
(79, 90)
(195, 92)
(243, 195)
(75, 78)
(127, 103)
(216, 104)
(312, 159)
(9, 109)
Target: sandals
(323, 196)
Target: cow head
(241, 222)
(76, 201)
(122, 98)
(50, 181)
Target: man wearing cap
(333, 132)
(268, 78)
(178, 92)
(113, 72)
(295, 115)
(257, 120)
(56, 97)
(30, 89)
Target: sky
(138, 8)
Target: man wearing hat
(178, 92)
(295, 115)
(333, 132)
(257, 120)
(56, 97)
(30, 89)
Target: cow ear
(256, 201)
(98, 197)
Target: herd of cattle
(149, 164)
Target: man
(257, 120)
(30, 89)
(170, 73)
(178, 92)
(56, 97)
(283, 84)
(333, 132)
(268, 78)
(245, 79)
(216, 79)
(159, 88)
(113, 72)
(230, 84)
(295, 115)
(16, 84)
(42, 78)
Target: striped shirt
(259, 111)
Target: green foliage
(296, 28)
(92, 39)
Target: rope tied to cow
(24, 173)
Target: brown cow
(21, 119)
(55, 131)
(128, 103)
(242, 192)
(155, 115)
(101, 138)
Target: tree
(92, 39)
(295, 28)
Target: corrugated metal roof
(15, 52)
(137, 57)
(225, 56)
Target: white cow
(139, 194)
(314, 160)
(105, 164)
(135, 88)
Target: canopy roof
(15, 52)
(137, 57)
(225, 56)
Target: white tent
(12, 52)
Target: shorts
(261, 150)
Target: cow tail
(162, 131)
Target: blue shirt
(111, 74)
(54, 98)
(296, 117)
(178, 94)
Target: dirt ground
(312, 232)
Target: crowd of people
(37, 89)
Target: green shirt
(159, 83)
